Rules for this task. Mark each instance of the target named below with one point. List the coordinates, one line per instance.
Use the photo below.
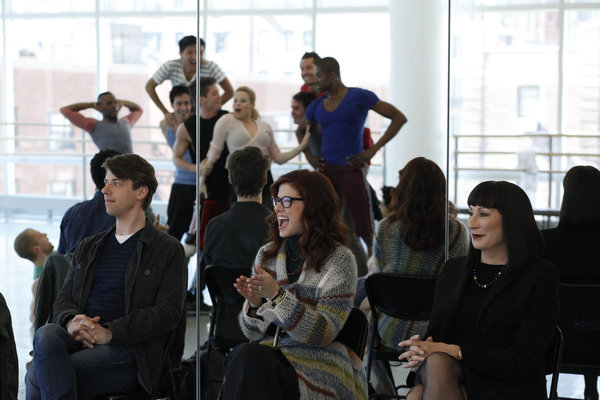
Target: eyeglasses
(286, 201)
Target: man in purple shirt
(342, 113)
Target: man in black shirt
(217, 187)
(233, 238)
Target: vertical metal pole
(198, 215)
(447, 222)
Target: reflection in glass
(518, 99)
(491, 3)
(258, 4)
(582, 73)
(148, 5)
(352, 3)
(504, 82)
(44, 6)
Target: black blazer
(515, 325)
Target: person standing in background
(182, 71)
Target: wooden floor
(15, 284)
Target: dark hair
(202, 42)
(520, 232)
(102, 94)
(305, 98)
(136, 169)
(178, 90)
(386, 195)
(324, 229)
(205, 83)
(419, 203)
(311, 54)
(187, 41)
(24, 245)
(247, 170)
(579, 209)
(96, 166)
(329, 64)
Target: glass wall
(54, 55)
(525, 94)
(65, 53)
(260, 43)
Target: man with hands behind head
(123, 294)
(182, 71)
(110, 133)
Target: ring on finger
(409, 358)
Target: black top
(512, 328)
(464, 326)
(217, 181)
(575, 254)
(233, 238)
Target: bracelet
(278, 297)
(252, 311)
(279, 293)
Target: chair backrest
(51, 280)
(408, 297)
(552, 362)
(227, 303)
(579, 321)
(354, 332)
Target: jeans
(63, 369)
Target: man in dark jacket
(123, 294)
(9, 364)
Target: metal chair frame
(406, 297)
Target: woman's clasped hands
(419, 350)
(254, 289)
(415, 355)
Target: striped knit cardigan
(312, 313)
(394, 256)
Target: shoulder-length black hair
(323, 226)
(580, 209)
(521, 235)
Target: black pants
(180, 209)
(255, 371)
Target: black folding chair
(580, 324)
(553, 359)
(224, 331)
(406, 297)
(354, 332)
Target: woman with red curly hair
(297, 301)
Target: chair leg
(591, 387)
(388, 369)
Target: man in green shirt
(34, 246)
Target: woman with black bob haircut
(494, 312)
(572, 246)
(297, 301)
